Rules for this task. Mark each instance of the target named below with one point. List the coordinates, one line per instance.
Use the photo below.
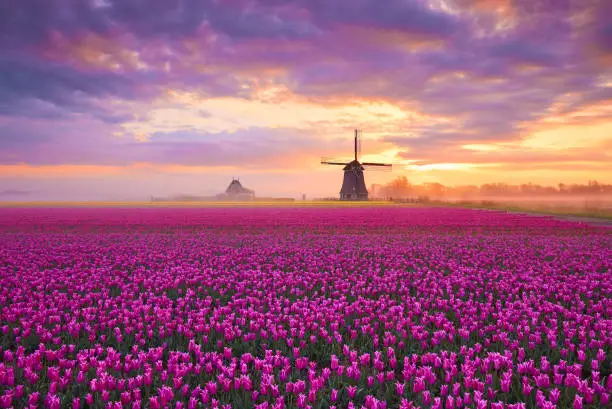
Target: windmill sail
(353, 183)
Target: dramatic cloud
(278, 83)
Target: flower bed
(302, 308)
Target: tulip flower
(577, 402)
(6, 400)
(301, 401)
(52, 401)
(426, 397)
(269, 307)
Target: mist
(592, 196)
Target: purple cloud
(412, 17)
(62, 59)
(248, 148)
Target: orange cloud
(505, 10)
(68, 171)
(273, 107)
(495, 5)
(387, 38)
(512, 174)
(594, 119)
(90, 50)
(45, 172)
(27, 171)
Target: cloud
(412, 17)
(274, 79)
(31, 89)
(515, 155)
(246, 148)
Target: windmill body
(353, 184)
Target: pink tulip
(154, 402)
(605, 398)
(554, 395)
(406, 404)
(527, 388)
(7, 355)
(399, 388)
(426, 397)
(33, 398)
(6, 400)
(131, 305)
(301, 401)
(418, 385)
(334, 395)
(52, 401)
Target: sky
(124, 99)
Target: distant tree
(435, 190)
(399, 188)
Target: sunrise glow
(195, 93)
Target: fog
(573, 201)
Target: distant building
(235, 191)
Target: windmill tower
(353, 184)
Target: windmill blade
(332, 161)
(378, 168)
(327, 162)
(376, 164)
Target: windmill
(353, 185)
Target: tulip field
(303, 307)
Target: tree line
(400, 187)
